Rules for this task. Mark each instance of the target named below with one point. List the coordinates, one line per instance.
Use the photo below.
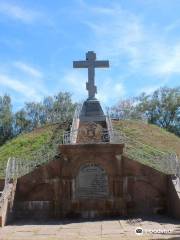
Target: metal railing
(176, 183)
(103, 136)
(110, 127)
(18, 167)
(108, 135)
(7, 195)
(167, 161)
(75, 124)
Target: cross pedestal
(92, 111)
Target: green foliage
(21, 122)
(125, 109)
(162, 108)
(6, 119)
(57, 109)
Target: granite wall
(58, 189)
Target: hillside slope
(144, 142)
(148, 143)
(34, 145)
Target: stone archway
(91, 182)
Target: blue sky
(39, 39)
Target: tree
(57, 109)
(35, 114)
(21, 122)
(63, 108)
(48, 105)
(162, 108)
(126, 109)
(6, 119)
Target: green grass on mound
(26, 145)
(145, 143)
(148, 143)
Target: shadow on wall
(174, 196)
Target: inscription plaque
(91, 182)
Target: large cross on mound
(91, 63)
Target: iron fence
(104, 136)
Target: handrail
(75, 124)
(71, 136)
(106, 136)
(8, 193)
(5, 193)
(176, 183)
(110, 126)
(169, 160)
(17, 167)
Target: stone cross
(91, 64)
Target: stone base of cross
(92, 90)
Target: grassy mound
(148, 143)
(28, 145)
(144, 142)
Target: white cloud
(117, 33)
(19, 87)
(17, 12)
(119, 89)
(126, 39)
(28, 69)
(75, 81)
(168, 61)
(110, 92)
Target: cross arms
(99, 64)
(86, 64)
(80, 64)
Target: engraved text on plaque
(91, 182)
